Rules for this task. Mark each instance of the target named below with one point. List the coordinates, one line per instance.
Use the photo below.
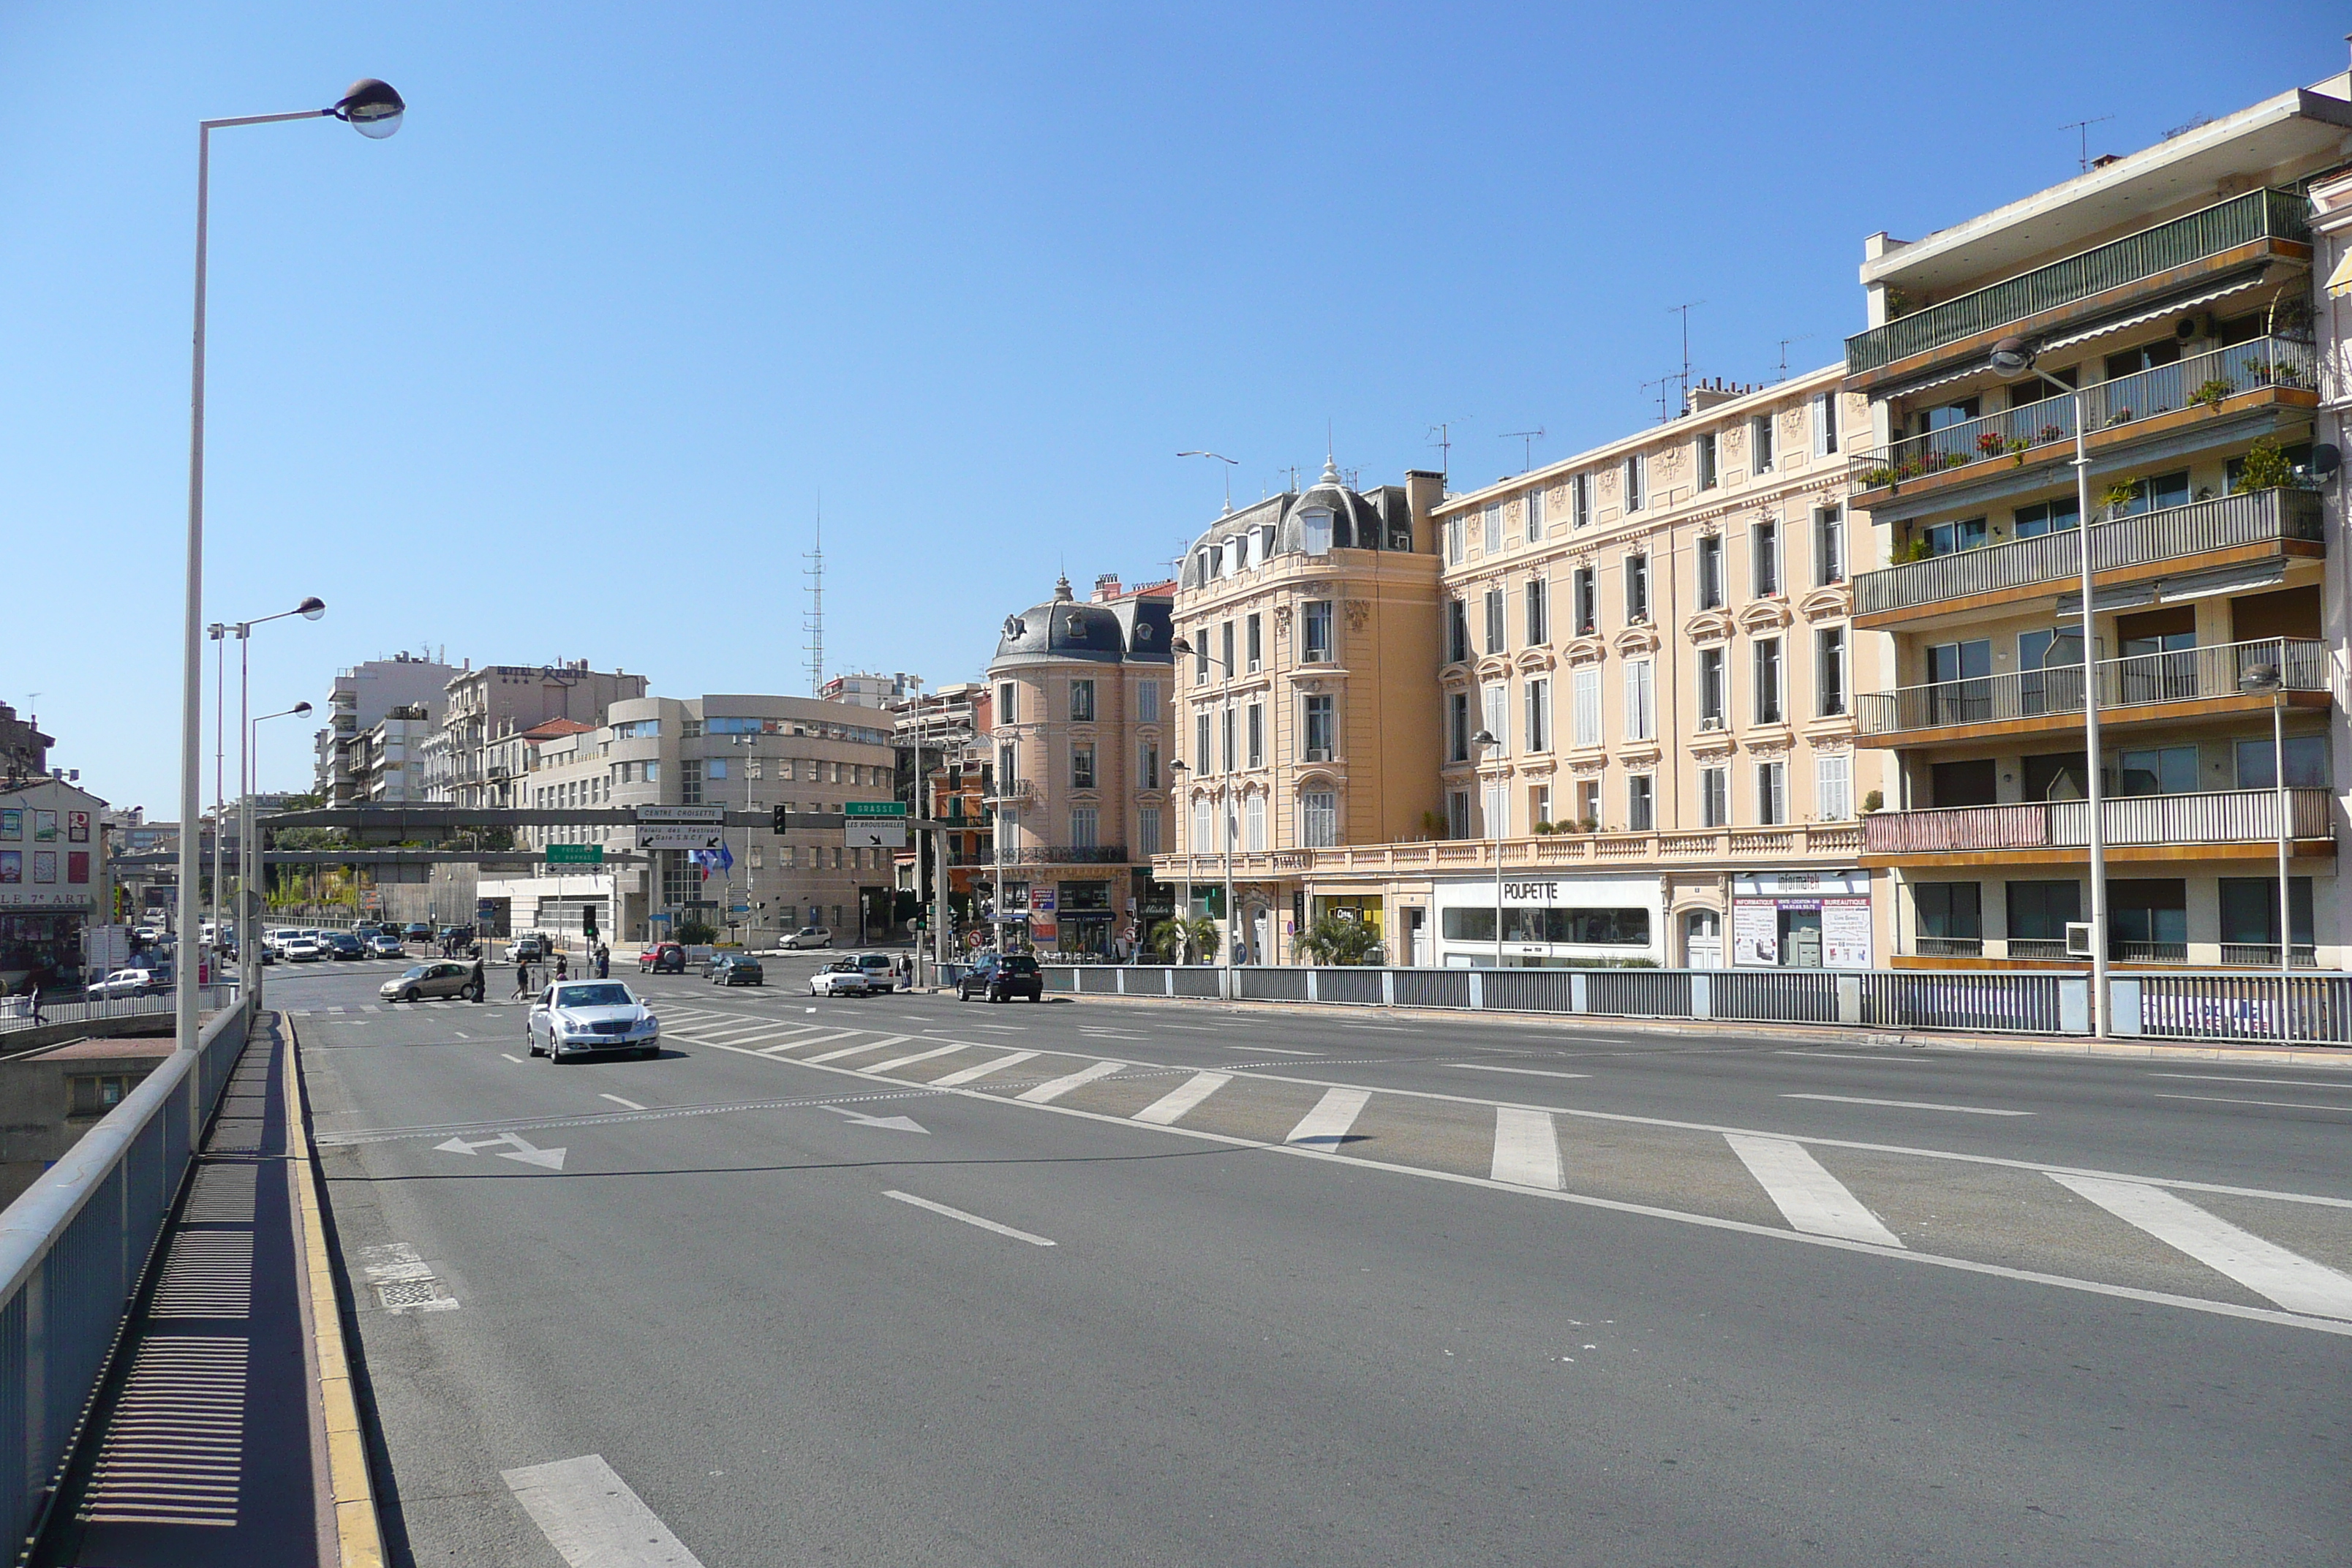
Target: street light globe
(301, 708)
(371, 108)
(2011, 357)
(2260, 677)
(310, 609)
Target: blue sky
(564, 368)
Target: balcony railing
(2201, 674)
(1014, 790)
(2242, 220)
(1821, 842)
(1067, 855)
(2206, 380)
(2173, 532)
(2217, 817)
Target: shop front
(1801, 919)
(1552, 922)
(53, 883)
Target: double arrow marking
(516, 1147)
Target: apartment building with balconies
(1079, 719)
(1310, 623)
(482, 755)
(2169, 295)
(359, 700)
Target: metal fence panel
(1775, 995)
(1638, 993)
(1059, 976)
(1196, 980)
(1271, 983)
(1433, 988)
(1527, 990)
(1950, 999)
(1097, 979)
(1351, 987)
(2246, 1008)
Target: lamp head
(2260, 677)
(1181, 644)
(1484, 738)
(310, 609)
(2011, 357)
(371, 108)
(299, 708)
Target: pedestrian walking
(603, 962)
(562, 966)
(523, 977)
(480, 990)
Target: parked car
(126, 982)
(384, 944)
(416, 930)
(1001, 976)
(733, 969)
(424, 982)
(844, 977)
(581, 1018)
(343, 944)
(807, 937)
(530, 949)
(880, 968)
(661, 958)
(299, 949)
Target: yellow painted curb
(358, 1531)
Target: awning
(2175, 308)
(2339, 282)
(2205, 584)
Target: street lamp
(309, 609)
(2271, 678)
(2012, 360)
(249, 851)
(1485, 742)
(373, 109)
(1176, 770)
(1179, 646)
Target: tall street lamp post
(1484, 740)
(1177, 769)
(249, 853)
(375, 110)
(2271, 678)
(2013, 359)
(247, 860)
(1181, 647)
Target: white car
(582, 1018)
(384, 944)
(880, 968)
(306, 949)
(125, 982)
(806, 937)
(845, 978)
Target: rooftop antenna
(1784, 352)
(1684, 311)
(1527, 440)
(1444, 444)
(814, 623)
(1229, 463)
(1663, 383)
(2082, 127)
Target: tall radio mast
(813, 622)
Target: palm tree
(1336, 939)
(1178, 939)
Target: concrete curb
(2330, 1057)
(358, 1533)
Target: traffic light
(588, 922)
(781, 812)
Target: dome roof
(1326, 517)
(1131, 629)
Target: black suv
(1001, 976)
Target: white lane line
(371, 1007)
(1523, 1072)
(2233, 1078)
(1808, 1196)
(1110, 1034)
(852, 1050)
(1910, 1104)
(897, 1062)
(1326, 1126)
(972, 1075)
(461, 1034)
(1008, 1029)
(1274, 1050)
(517, 1060)
(591, 1517)
(2279, 1104)
(2291, 1281)
(1527, 1149)
(967, 1218)
(1194, 1029)
(1855, 1056)
(626, 1104)
(1047, 1093)
(1170, 1106)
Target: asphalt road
(1328, 1290)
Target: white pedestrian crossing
(1527, 1149)
(975, 1074)
(1327, 1125)
(895, 1063)
(1047, 1093)
(1809, 1197)
(2294, 1281)
(1169, 1108)
(853, 1050)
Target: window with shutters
(1457, 631)
(1641, 803)
(1759, 437)
(1008, 702)
(1580, 500)
(1458, 726)
(1771, 794)
(1531, 513)
(1497, 639)
(1457, 533)
(1457, 814)
(1257, 733)
(1491, 529)
(1829, 669)
(1829, 546)
(1253, 823)
(1203, 762)
(1710, 571)
(1588, 601)
(1640, 708)
(1637, 589)
(1825, 430)
(1146, 702)
(1538, 725)
(1318, 819)
(1715, 797)
(1225, 760)
(1769, 709)
(1712, 707)
(1637, 482)
(1204, 829)
(1538, 612)
(1082, 826)
(1764, 547)
(1709, 477)
(1147, 764)
(1498, 717)
(1833, 788)
(1147, 831)
(1584, 702)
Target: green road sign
(874, 808)
(575, 853)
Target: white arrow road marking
(518, 1148)
(2294, 1281)
(1808, 1196)
(969, 1218)
(889, 1124)
(591, 1517)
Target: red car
(661, 958)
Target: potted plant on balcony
(1991, 443)
(2118, 496)
(2263, 467)
(2049, 433)
(1875, 801)
(1877, 479)
(2211, 393)
(2120, 416)
(2016, 449)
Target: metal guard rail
(2190, 675)
(73, 1247)
(2193, 1004)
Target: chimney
(1106, 587)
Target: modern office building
(2169, 295)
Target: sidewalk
(209, 1443)
(1816, 1034)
